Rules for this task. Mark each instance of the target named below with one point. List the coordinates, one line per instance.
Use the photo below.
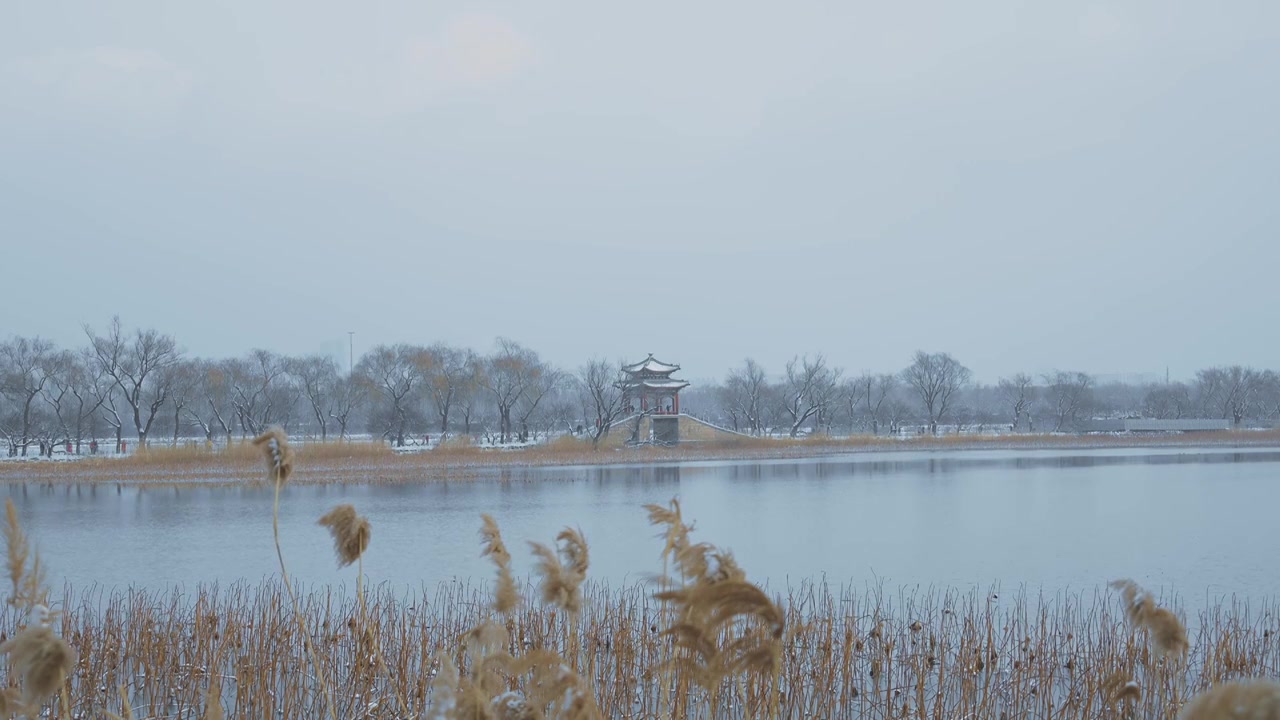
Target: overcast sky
(1028, 186)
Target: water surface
(1195, 521)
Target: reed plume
(28, 585)
(730, 627)
(505, 597)
(126, 710)
(18, 547)
(1119, 688)
(1166, 631)
(688, 557)
(444, 689)
(11, 702)
(511, 705)
(42, 661)
(213, 702)
(472, 704)
(279, 456)
(37, 655)
(723, 624)
(556, 690)
(563, 570)
(1245, 700)
(727, 568)
(350, 533)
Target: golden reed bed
(699, 641)
(845, 653)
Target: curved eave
(651, 364)
(674, 385)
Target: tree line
(935, 389)
(137, 385)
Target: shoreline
(373, 463)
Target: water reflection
(1181, 519)
(928, 465)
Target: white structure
(1152, 425)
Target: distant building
(650, 390)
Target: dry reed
(505, 596)
(41, 660)
(554, 688)
(723, 626)
(279, 457)
(350, 533)
(213, 709)
(278, 454)
(1022, 656)
(38, 658)
(28, 584)
(1251, 700)
(1165, 629)
(563, 570)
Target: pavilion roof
(651, 364)
(657, 384)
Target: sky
(1028, 186)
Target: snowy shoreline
(475, 463)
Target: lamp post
(351, 351)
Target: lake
(1198, 522)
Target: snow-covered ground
(107, 447)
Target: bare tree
(1068, 393)
(69, 394)
(1167, 402)
(744, 396)
(106, 393)
(184, 391)
(896, 411)
(1229, 392)
(393, 373)
(262, 392)
(936, 377)
(507, 375)
(731, 414)
(80, 375)
(1018, 393)
(866, 396)
(599, 385)
(468, 398)
(212, 410)
(1268, 403)
(809, 389)
(880, 389)
(446, 377)
(9, 423)
(854, 392)
(346, 397)
(317, 376)
(25, 369)
(544, 382)
(54, 423)
(138, 365)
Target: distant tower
(649, 390)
